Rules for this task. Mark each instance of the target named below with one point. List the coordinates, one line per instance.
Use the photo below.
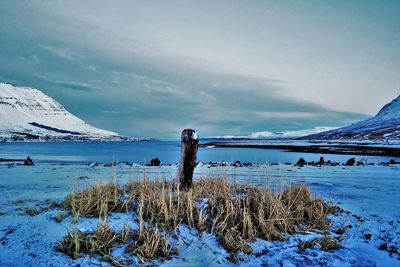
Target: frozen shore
(368, 195)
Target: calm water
(142, 152)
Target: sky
(243, 68)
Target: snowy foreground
(369, 195)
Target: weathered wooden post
(190, 145)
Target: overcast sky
(152, 68)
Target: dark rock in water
(301, 162)
(93, 164)
(383, 247)
(362, 162)
(247, 164)
(237, 164)
(155, 162)
(288, 163)
(351, 162)
(113, 164)
(392, 161)
(28, 162)
(321, 160)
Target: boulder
(93, 164)
(28, 162)
(351, 162)
(237, 164)
(155, 162)
(321, 160)
(301, 162)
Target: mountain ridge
(27, 114)
(385, 125)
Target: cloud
(293, 115)
(129, 83)
(62, 53)
(79, 86)
(74, 85)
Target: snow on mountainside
(384, 126)
(28, 114)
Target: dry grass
(146, 245)
(327, 243)
(237, 214)
(150, 244)
(60, 217)
(98, 243)
(94, 200)
(32, 211)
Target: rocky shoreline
(321, 149)
(156, 162)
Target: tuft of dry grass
(95, 200)
(100, 242)
(236, 213)
(151, 243)
(60, 217)
(32, 211)
(53, 204)
(327, 243)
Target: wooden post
(190, 145)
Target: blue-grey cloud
(114, 76)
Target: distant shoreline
(320, 149)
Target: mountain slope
(28, 114)
(385, 125)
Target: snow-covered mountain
(28, 114)
(384, 126)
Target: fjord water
(167, 151)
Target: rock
(237, 164)
(155, 162)
(247, 164)
(383, 247)
(28, 162)
(321, 160)
(362, 162)
(113, 164)
(351, 162)
(93, 164)
(392, 161)
(301, 162)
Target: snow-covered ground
(369, 196)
